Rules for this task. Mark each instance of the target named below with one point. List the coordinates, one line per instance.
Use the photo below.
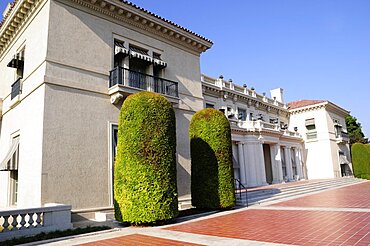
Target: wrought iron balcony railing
(16, 88)
(127, 77)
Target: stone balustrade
(31, 221)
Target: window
(120, 52)
(209, 105)
(13, 174)
(242, 114)
(311, 128)
(18, 63)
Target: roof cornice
(326, 105)
(15, 19)
(135, 16)
(120, 10)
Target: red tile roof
(303, 103)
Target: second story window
(18, 63)
(209, 105)
(311, 128)
(242, 114)
(139, 60)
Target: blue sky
(313, 49)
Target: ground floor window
(13, 188)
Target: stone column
(250, 164)
(241, 163)
(299, 163)
(260, 164)
(288, 164)
(277, 171)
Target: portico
(261, 156)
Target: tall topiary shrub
(367, 176)
(361, 160)
(212, 182)
(145, 188)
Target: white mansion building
(67, 65)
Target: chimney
(278, 93)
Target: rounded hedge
(212, 181)
(145, 188)
(361, 160)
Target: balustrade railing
(241, 190)
(30, 221)
(127, 77)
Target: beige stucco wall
(76, 166)
(25, 117)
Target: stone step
(295, 188)
(262, 197)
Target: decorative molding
(157, 26)
(15, 20)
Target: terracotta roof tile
(303, 103)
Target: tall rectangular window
(13, 175)
(311, 128)
(242, 114)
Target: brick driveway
(135, 240)
(298, 226)
(334, 217)
(354, 196)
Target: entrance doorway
(268, 166)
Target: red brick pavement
(135, 240)
(354, 196)
(287, 226)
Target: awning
(119, 48)
(140, 54)
(16, 62)
(9, 164)
(343, 159)
(157, 60)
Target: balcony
(123, 82)
(342, 137)
(262, 126)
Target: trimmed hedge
(212, 181)
(361, 160)
(145, 186)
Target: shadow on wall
(183, 177)
(204, 179)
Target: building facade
(67, 65)
(264, 150)
(323, 127)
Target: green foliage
(145, 186)
(361, 160)
(212, 183)
(53, 234)
(355, 130)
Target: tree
(145, 188)
(212, 181)
(355, 130)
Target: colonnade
(252, 171)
